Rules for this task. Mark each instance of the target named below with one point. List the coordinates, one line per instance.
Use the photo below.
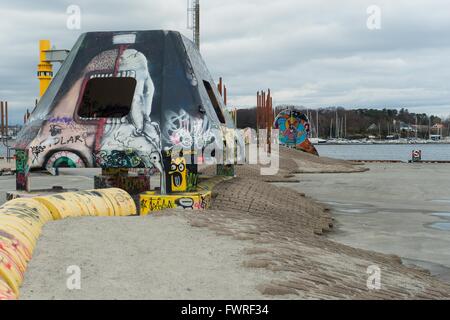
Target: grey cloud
(314, 53)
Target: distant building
(407, 127)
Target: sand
(139, 258)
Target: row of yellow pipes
(21, 222)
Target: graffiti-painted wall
(294, 130)
(151, 202)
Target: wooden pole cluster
(265, 114)
(222, 90)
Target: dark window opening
(214, 101)
(107, 98)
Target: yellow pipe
(45, 68)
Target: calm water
(370, 151)
(385, 151)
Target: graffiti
(177, 174)
(21, 160)
(132, 184)
(64, 159)
(144, 147)
(156, 204)
(160, 115)
(118, 159)
(22, 170)
(55, 130)
(72, 139)
(36, 150)
(294, 130)
(136, 131)
(187, 132)
(151, 202)
(185, 203)
(65, 120)
(21, 181)
(205, 201)
(23, 211)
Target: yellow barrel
(27, 207)
(60, 207)
(9, 240)
(18, 258)
(27, 225)
(94, 202)
(26, 239)
(78, 205)
(121, 203)
(86, 203)
(10, 273)
(29, 231)
(98, 205)
(6, 293)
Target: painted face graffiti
(136, 131)
(177, 174)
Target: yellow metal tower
(45, 68)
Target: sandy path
(139, 258)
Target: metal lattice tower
(194, 20)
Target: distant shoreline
(387, 142)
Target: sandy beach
(259, 240)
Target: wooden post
(219, 86)
(225, 95)
(2, 122)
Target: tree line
(360, 123)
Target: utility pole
(194, 20)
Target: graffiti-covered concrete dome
(123, 99)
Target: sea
(402, 152)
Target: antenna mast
(194, 20)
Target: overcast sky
(315, 53)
